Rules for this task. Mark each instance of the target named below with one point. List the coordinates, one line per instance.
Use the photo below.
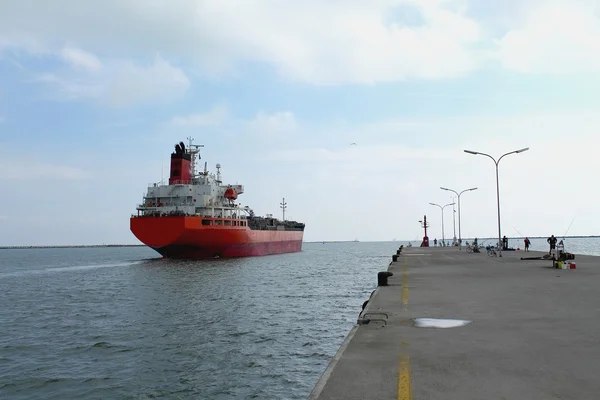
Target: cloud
(19, 170)
(261, 124)
(79, 58)
(132, 84)
(327, 43)
(71, 87)
(116, 83)
(558, 37)
(278, 123)
(379, 156)
(214, 117)
(316, 42)
(313, 41)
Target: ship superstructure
(196, 215)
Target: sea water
(99, 323)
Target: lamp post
(453, 223)
(458, 195)
(442, 208)
(498, 186)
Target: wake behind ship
(197, 216)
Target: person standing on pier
(527, 243)
(435, 242)
(504, 243)
(552, 241)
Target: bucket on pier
(572, 266)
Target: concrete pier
(534, 331)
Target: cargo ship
(196, 216)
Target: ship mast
(283, 206)
(193, 149)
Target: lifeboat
(230, 194)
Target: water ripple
(117, 323)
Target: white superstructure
(199, 194)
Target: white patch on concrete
(439, 323)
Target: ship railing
(221, 216)
(177, 182)
(151, 206)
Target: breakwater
(453, 325)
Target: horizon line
(74, 246)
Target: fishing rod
(569, 227)
(518, 231)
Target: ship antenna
(283, 206)
(193, 149)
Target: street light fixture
(498, 186)
(458, 194)
(442, 208)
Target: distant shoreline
(82, 246)
(333, 241)
(85, 246)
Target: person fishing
(475, 246)
(552, 241)
(527, 243)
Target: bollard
(395, 257)
(382, 278)
(398, 252)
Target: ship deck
(533, 332)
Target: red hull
(186, 237)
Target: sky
(93, 97)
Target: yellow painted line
(404, 389)
(404, 380)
